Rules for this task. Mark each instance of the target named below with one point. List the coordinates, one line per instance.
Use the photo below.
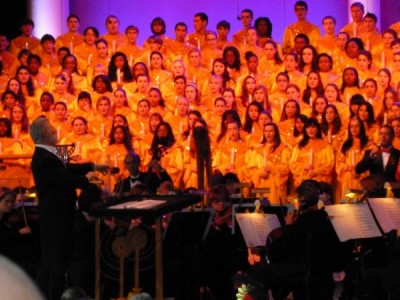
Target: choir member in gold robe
(312, 158)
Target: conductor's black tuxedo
(55, 185)
(374, 164)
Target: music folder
(353, 221)
(387, 212)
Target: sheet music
(353, 221)
(144, 204)
(256, 227)
(387, 212)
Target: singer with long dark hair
(382, 160)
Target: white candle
(311, 101)
(158, 81)
(89, 59)
(282, 103)
(118, 76)
(383, 59)
(188, 144)
(198, 44)
(354, 29)
(348, 99)
(370, 101)
(311, 154)
(329, 136)
(26, 46)
(58, 132)
(78, 148)
(142, 127)
(114, 46)
(367, 45)
(211, 63)
(71, 47)
(384, 118)
(131, 60)
(353, 158)
(116, 160)
(250, 98)
(233, 150)
(102, 130)
(148, 59)
(16, 134)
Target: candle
(71, 47)
(265, 157)
(26, 46)
(102, 130)
(89, 59)
(58, 132)
(148, 59)
(16, 134)
(188, 144)
(118, 76)
(370, 101)
(142, 127)
(131, 60)
(311, 154)
(383, 58)
(353, 158)
(78, 148)
(114, 46)
(250, 98)
(311, 101)
(367, 45)
(348, 99)
(233, 150)
(158, 81)
(198, 44)
(194, 78)
(282, 103)
(115, 160)
(329, 136)
(211, 63)
(354, 29)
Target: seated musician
(288, 255)
(132, 164)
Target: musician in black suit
(56, 185)
(381, 160)
(132, 164)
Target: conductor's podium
(133, 207)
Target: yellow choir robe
(317, 153)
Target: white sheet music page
(387, 212)
(256, 227)
(353, 221)
(144, 204)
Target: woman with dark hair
(158, 76)
(308, 59)
(270, 164)
(253, 111)
(31, 98)
(247, 90)
(157, 103)
(232, 57)
(318, 107)
(70, 63)
(314, 88)
(120, 105)
(101, 86)
(324, 68)
(351, 153)
(273, 62)
(228, 116)
(290, 111)
(214, 117)
(193, 95)
(278, 95)
(332, 128)
(352, 47)
(230, 157)
(291, 65)
(254, 68)
(229, 95)
(298, 132)
(350, 84)
(220, 67)
(14, 85)
(312, 158)
(384, 80)
(332, 94)
(386, 113)
(119, 71)
(263, 26)
(366, 115)
(8, 100)
(166, 155)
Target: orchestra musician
(56, 185)
(288, 254)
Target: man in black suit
(135, 178)
(381, 160)
(56, 185)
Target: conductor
(55, 183)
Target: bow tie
(385, 150)
(133, 179)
